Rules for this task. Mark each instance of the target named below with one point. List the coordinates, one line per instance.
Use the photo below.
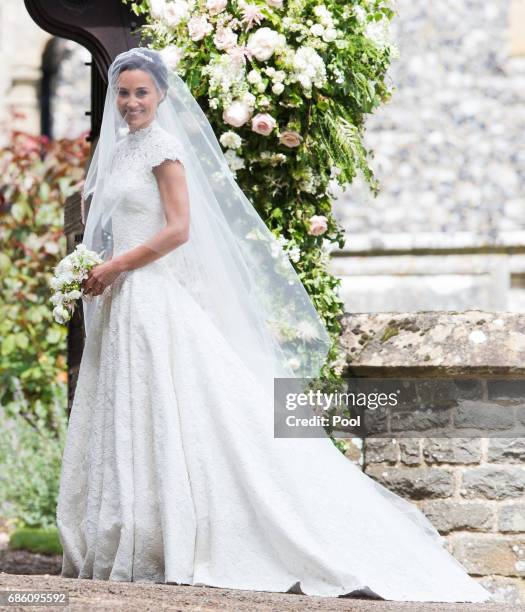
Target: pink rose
(237, 114)
(318, 225)
(263, 124)
(290, 139)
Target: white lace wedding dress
(171, 472)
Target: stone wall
(447, 230)
(471, 488)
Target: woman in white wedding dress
(171, 471)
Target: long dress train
(171, 471)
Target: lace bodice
(133, 191)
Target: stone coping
(434, 343)
(505, 242)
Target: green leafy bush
(36, 178)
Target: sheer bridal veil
(232, 264)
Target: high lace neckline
(141, 133)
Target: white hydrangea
(360, 13)
(329, 35)
(379, 32)
(226, 77)
(230, 140)
(309, 68)
(317, 29)
(253, 77)
(324, 15)
(235, 162)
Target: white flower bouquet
(67, 279)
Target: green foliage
(30, 458)
(36, 178)
(289, 185)
(43, 541)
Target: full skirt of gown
(171, 472)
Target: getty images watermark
(416, 407)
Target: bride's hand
(100, 276)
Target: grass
(44, 541)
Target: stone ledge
(434, 343)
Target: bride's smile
(137, 98)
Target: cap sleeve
(163, 149)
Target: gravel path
(98, 595)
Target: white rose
(279, 76)
(263, 43)
(225, 39)
(275, 3)
(156, 8)
(75, 294)
(317, 29)
(60, 314)
(253, 77)
(278, 88)
(237, 114)
(175, 12)
(199, 27)
(171, 56)
(216, 6)
(54, 283)
(230, 140)
(330, 35)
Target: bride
(171, 471)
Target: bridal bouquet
(67, 279)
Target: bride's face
(137, 98)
